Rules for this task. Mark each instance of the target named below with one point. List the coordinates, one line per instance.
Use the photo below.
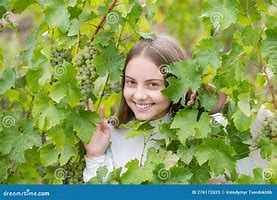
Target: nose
(140, 93)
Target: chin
(141, 117)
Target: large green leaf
(16, 140)
(185, 122)
(84, 124)
(66, 87)
(219, 155)
(109, 61)
(56, 14)
(7, 80)
(46, 114)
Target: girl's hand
(101, 138)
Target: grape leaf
(1, 58)
(185, 122)
(134, 174)
(20, 6)
(241, 121)
(243, 103)
(201, 174)
(134, 14)
(220, 13)
(16, 142)
(109, 61)
(48, 155)
(138, 128)
(186, 154)
(66, 87)
(4, 166)
(45, 112)
(256, 179)
(100, 175)
(250, 37)
(187, 78)
(7, 80)
(60, 137)
(77, 23)
(249, 10)
(208, 53)
(233, 61)
(179, 175)
(30, 169)
(219, 155)
(56, 14)
(268, 148)
(83, 123)
(270, 48)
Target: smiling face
(142, 89)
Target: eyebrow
(146, 80)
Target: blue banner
(161, 192)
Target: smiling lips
(143, 107)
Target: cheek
(127, 93)
(158, 97)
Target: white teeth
(143, 106)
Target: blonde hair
(163, 50)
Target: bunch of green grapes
(74, 172)
(86, 74)
(268, 129)
(59, 55)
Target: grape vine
(74, 50)
(86, 74)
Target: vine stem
(102, 22)
(270, 86)
(264, 67)
(78, 43)
(247, 13)
(108, 77)
(30, 107)
(103, 91)
(144, 145)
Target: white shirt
(123, 150)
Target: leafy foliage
(76, 52)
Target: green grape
(86, 74)
(267, 129)
(74, 171)
(59, 55)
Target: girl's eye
(130, 82)
(154, 85)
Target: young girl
(142, 100)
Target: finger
(106, 127)
(102, 112)
(90, 105)
(192, 97)
(105, 124)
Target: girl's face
(142, 89)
